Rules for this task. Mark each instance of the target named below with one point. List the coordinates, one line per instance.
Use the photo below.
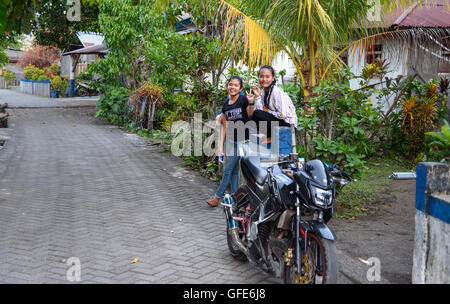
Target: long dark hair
(269, 93)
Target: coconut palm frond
(259, 46)
(296, 20)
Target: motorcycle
(278, 218)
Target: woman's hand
(266, 109)
(256, 90)
(250, 97)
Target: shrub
(439, 148)
(8, 75)
(181, 107)
(37, 72)
(4, 58)
(40, 56)
(52, 70)
(43, 78)
(113, 105)
(59, 84)
(418, 112)
(340, 125)
(152, 94)
(28, 71)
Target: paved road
(15, 99)
(72, 186)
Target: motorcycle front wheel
(319, 263)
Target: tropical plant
(151, 95)
(51, 27)
(8, 75)
(18, 16)
(136, 36)
(419, 114)
(4, 58)
(113, 105)
(37, 72)
(28, 71)
(43, 78)
(58, 83)
(309, 32)
(440, 146)
(212, 23)
(52, 70)
(181, 107)
(306, 30)
(338, 129)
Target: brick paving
(71, 186)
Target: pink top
(280, 105)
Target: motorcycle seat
(253, 164)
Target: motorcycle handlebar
(341, 173)
(346, 175)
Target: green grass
(370, 192)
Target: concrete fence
(431, 259)
(34, 87)
(3, 84)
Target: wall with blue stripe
(431, 262)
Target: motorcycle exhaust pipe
(234, 232)
(233, 229)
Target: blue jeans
(230, 173)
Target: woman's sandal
(213, 202)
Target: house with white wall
(426, 52)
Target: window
(373, 51)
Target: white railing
(34, 87)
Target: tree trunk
(151, 112)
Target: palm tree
(310, 30)
(307, 30)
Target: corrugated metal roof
(436, 15)
(95, 49)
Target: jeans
(230, 172)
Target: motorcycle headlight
(322, 198)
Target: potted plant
(56, 84)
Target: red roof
(430, 14)
(436, 15)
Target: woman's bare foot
(213, 202)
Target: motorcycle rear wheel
(319, 263)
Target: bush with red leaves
(40, 56)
